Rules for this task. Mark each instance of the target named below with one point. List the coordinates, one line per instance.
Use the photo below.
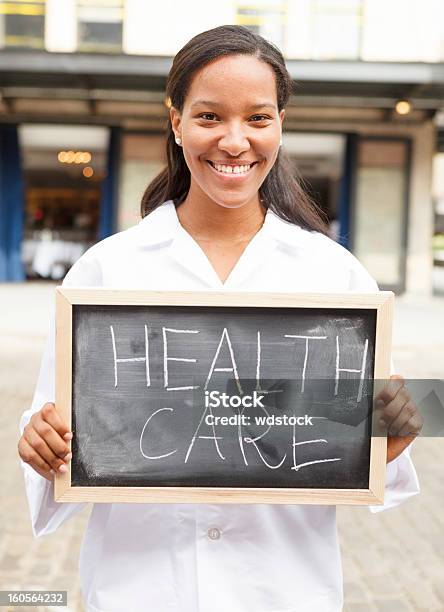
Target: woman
(226, 214)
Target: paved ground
(393, 561)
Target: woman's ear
(281, 116)
(176, 118)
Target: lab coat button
(214, 533)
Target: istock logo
(214, 399)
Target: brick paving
(393, 561)
(26, 562)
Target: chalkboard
(221, 397)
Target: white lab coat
(208, 557)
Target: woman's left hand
(398, 415)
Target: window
(267, 18)
(22, 24)
(336, 29)
(379, 216)
(100, 25)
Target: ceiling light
(70, 156)
(403, 107)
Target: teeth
(231, 169)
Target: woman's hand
(45, 442)
(398, 416)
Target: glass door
(379, 214)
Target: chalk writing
(222, 397)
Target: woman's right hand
(44, 444)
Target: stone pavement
(25, 562)
(393, 561)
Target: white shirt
(208, 557)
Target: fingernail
(67, 457)
(68, 436)
(63, 469)
(52, 472)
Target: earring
(280, 143)
(178, 141)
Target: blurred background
(82, 114)
(82, 117)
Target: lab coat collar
(159, 226)
(284, 232)
(162, 225)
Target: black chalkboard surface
(220, 396)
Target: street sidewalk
(393, 561)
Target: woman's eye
(260, 118)
(208, 116)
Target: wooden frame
(381, 302)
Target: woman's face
(230, 128)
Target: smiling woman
(230, 141)
(228, 89)
(226, 214)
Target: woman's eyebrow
(216, 104)
(262, 105)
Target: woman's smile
(231, 171)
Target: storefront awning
(96, 85)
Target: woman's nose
(234, 141)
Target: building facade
(82, 114)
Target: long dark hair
(281, 190)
